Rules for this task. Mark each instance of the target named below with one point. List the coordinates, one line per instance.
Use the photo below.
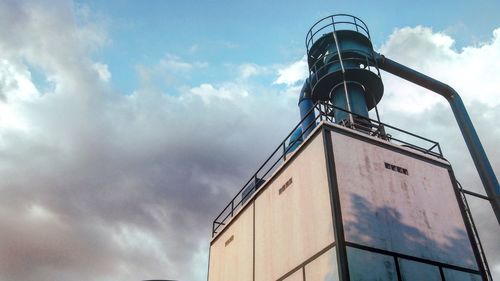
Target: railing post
(284, 151)
(232, 207)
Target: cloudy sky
(125, 126)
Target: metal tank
(342, 66)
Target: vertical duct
(306, 105)
(307, 115)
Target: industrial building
(346, 196)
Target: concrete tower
(346, 197)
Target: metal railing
(324, 111)
(476, 239)
(333, 23)
(320, 69)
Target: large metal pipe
(306, 105)
(355, 97)
(469, 134)
(307, 115)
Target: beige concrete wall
(231, 254)
(323, 268)
(293, 222)
(296, 276)
(415, 214)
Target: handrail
(468, 212)
(315, 73)
(254, 177)
(323, 112)
(330, 21)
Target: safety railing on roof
(323, 112)
(333, 23)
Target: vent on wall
(229, 240)
(285, 186)
(396, 168)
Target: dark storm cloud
(100, 186)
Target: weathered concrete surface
(232, 253)
(293, 222)
(415, 214)
(293, 225)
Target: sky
(126, 126)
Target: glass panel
(455, 275)
(369, 266)
(323, 268)
(417, 271)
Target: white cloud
(229, 91)
(248, 70)
(176, 64)
(38, 212)
(15, 87)
(103, 71)
(472, 71)
(170, 71)
(293, 73)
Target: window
(417, 271)
(370, 266)
(455, 275)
